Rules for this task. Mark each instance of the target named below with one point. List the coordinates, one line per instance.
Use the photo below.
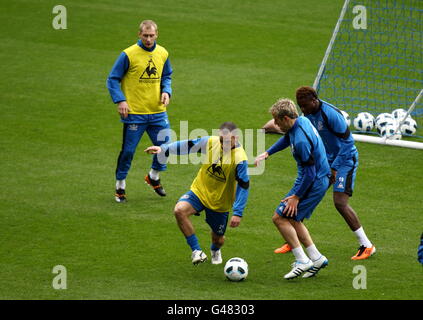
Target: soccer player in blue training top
(343, 159)
(215, 188)
(309, 188)
(420, 250)
(140, 83)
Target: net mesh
(379, 68)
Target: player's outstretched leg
(366, 248)
(183, 210)
(131, 137)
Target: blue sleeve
(242, 188)
(166, 81)
(115, 77)
(279, 145)
(185, 146)
(304, 152)
(336, 121)
(309, 174)
(340, 127)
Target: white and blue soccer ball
(346, 117)
(364, 121)
(389, 131)
(409, 126)
(383, 119)
(236, 269)
(399, 114)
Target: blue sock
(214, 247)
(192, 241)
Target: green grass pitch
(60, 136)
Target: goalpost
(374, 63)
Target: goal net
(374, 61)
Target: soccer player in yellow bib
(222, 183)
(140, 85)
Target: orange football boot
(284, 249)
(364, 253)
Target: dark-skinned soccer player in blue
(343, 160)
(309, 187)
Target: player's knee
(340, 199)
(277, 219)
(179, 212)
(340, 204)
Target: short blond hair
(148, 24)
(284, 107)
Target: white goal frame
(363, 137)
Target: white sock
(362, 238)
(121, 184)
(300, 254)
(154, 174)
(313, 253)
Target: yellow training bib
(215, 184)
(141, 83)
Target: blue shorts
(345, 176)
(309, 202)
(216, 220)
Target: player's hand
(332, 178)
(165, 99)
(291, 205)
(153, 150)
(235, 221)
(260, 158)
(123, 109)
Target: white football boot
(298, 268)
(198, 256)
(216, 257)
(317, 265)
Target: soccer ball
(388, 131)
(236, 269)
(364, 121)
(409, 126)
(383, 119)
(346, 117)
(399, 114)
